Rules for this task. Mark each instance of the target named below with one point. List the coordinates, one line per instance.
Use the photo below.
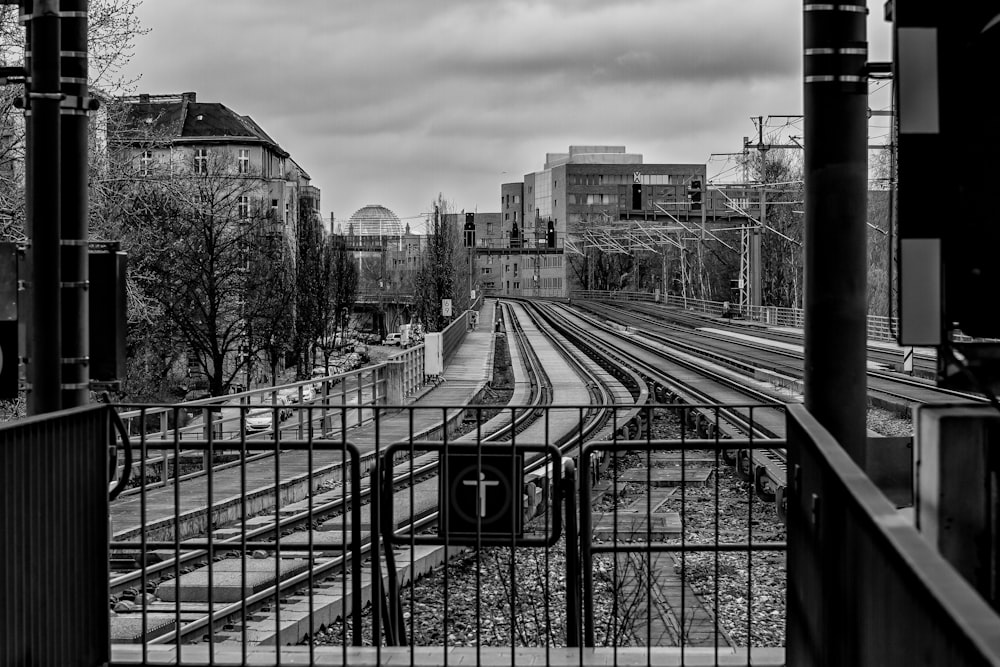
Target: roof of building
(592, 155)
(181, 118)
(375, 220)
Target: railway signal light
(470, 230)
(108, 309)
(694, 194)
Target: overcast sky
(394, 101)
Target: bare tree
(113, 26)
(272, 318)
(438, 276)
(343, 280)
(210, 269)
(326, 286)
(782, 259)
(882, 233)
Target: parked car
(393, 339)
(260, 416)
(291, 394)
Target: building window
(243, 208)
(517, 199)
(146, 163)
(244, 161)
(201, 160)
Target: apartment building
(159, 136)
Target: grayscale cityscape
(521, 332)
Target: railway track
(778, 351)
(774, 357)
(267, 537)
(623, 373)
(682, 376)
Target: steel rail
(430, 464)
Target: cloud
(393, 102)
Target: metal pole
(836, 139)
(43, 178)
(572, 555)
(756, 288)
(73, 224)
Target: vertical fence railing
(642, 545)
(468, 544)
(226, 561)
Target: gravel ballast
(480, 588)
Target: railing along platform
(435, 547)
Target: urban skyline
(392, 103)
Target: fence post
(395, 379)
(572, 555)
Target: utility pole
(43, 185)
(73, 225)
(751, 289)
(836, 184)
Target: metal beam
(43, 189)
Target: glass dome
(375, 220)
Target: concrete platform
(127, 629)
(228, 584)
(334, 537)
(304, 615)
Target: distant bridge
(375, 296)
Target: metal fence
(264, 549)
(362, 544)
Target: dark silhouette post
(75, 274)
(43, 176)
(836, 185)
